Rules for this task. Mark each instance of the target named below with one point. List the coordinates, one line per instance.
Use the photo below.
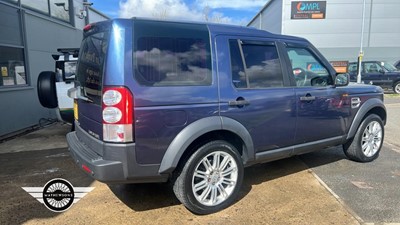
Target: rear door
(254, 90)
(90, 72)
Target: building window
(61, 10)
(12, 67)
(55, 8)
(41, 5)
(12, 1)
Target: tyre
(367, 143)
(46, 89)
(396, 87)
(211, 178)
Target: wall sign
(340, 66)
(308, 10)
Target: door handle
(239, 103)
(307, 98)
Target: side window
(261, 67)
(70, 70)
(352, 68)
(372, 67)
(307, 70)
(237, 67)
(172, 55)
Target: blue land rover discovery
(194, 104)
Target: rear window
(91, 63)
(170, 54)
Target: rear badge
(93, 134)
(58, 195)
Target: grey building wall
(39, 36)
(270, 19)
(338, 36)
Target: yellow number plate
(76, 110)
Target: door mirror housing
(342, 79)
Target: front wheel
(211, 178)
(367, 142)
(396, 87)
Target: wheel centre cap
(214, 178)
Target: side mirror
(342, 79)
(381, 71)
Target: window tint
(179, 56)
(90, 67)
(306, 66)
(263, 68)
(237, 67)
(12, 66)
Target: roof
(225, 29)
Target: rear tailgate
(90, 72)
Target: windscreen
(91, 65)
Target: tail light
(117, 114)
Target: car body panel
(274, 123)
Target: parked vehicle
(194, 104)
(378, 73)
(397, 65)
(52, 87)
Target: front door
(322, 111)
(255, 90)
(374, 74)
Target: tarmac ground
(317, 188)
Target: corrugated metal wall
(338, 36)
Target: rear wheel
(367, 142)
(396, 87)
(211, 178)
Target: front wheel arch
(368, 141)
(371, 106)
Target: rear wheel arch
(206, 130)
(210, 179)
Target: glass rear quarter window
(168, 54)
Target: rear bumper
(117, 164)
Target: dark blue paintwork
(276, 120)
